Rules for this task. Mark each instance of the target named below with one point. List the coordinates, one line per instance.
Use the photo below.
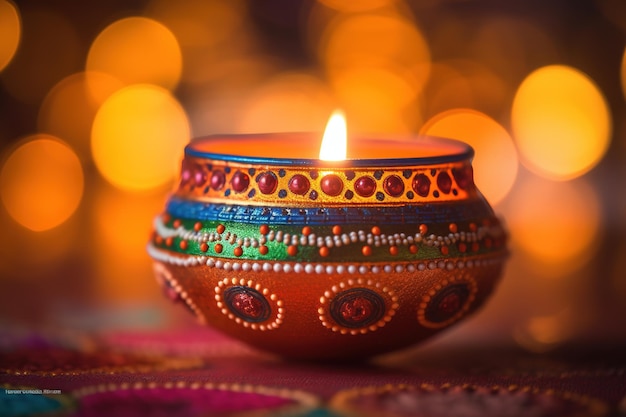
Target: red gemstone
(356, 310)
(199, 177)
(168, 290)
(218, 179)
(185, 176)
(240, 181)
(332, 185)
(444, 182)
(299, 184)
(365, 186)
(267, 182)
(393, 185)
(450, 304)
(186, 172)
(247, 305)
(464, 176)
(421, 185)
(171, 294)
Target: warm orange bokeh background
(99, 100)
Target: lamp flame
(334, 143)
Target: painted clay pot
(326, 260)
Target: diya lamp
(317, 259)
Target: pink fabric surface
(196, 371)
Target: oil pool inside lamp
(341, 257)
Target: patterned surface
(421, 170)
(196, 372)
(311, 260)
(219, 181)
(313, 234)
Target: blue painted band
(407, 214)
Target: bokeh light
(377, 101)
(137, 50)
(10, 32)
(377, 64)
(199, 23)
(113, 91)
(561, 122)
(138, 137)
(382, 40)
(510, 45)
(290, 102)
(356, 6)
(122, 220)
(495, 163)
(544, 333)
(208, 32)
(462, 83)
(554, 223)
(69, 108)
(49, 50)
(41, 182)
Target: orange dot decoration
(329, 259)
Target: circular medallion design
(173, 291)
(181, 397)
(249, 304)
(432, 400)
(446, 302)
(357, 306)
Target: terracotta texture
(318, 262)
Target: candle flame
(334, 143)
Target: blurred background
(98, 99)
